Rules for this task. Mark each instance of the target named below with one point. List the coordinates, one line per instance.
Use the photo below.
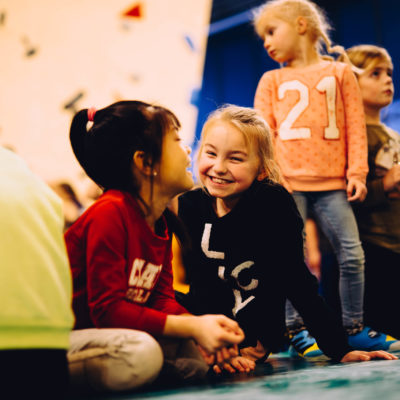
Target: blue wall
(236, 59)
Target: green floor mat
(284, 378)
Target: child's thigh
(113, 359)
(336, 217)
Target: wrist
(182, 326)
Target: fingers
(229, 323)
(232, 333)
(382, 354)
(353, 356)
(226, 367)
(356, 190)
(353, 192)
(367, 356)
(208, 358)
(229, 368)
(239, 366)
(236, 364)
(233, 350)
(349, 190)
(243, 364)
(217, 369)
(364, 357)
(223, 355)
(223, 361)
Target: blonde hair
(255, 131)
(366, 56)
(288, 11)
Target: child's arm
(356, 136)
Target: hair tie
(90, 113)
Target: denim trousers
(336, 219)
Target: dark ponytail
(105, 150)
(78, 136)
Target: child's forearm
(182, 326)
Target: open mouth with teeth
(219, 180)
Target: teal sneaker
(304, 345)
(369, 340)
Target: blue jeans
(337, 222)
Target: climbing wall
(60, 56)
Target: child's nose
(219, 166)
(389, 78)
(188, 149)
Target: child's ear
(301, 25)
(142, 163)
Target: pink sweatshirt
(317, 121)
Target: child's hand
(356, 190)
(235, 364)
(213, 332)
(254, 353)
(367, 356)
(220, 356)
(392, 179)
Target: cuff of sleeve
(362, 178)
(153, 322)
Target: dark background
(236, 59)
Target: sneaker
(369, 340)
(304, 345)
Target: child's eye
(237, 159)
(210, 153)
(269, 32)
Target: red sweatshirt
(122, 273)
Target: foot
(304, 345)
(369, 340)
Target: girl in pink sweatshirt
(314, 108)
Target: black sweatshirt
(248, 262)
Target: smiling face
(227, 164)
(377, 86)
(281, 39)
